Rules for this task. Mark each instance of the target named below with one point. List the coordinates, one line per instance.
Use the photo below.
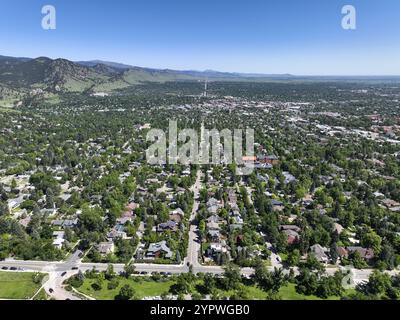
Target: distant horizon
(209, 70)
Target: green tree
(293, 258)
(378, 283)
(232, 278)
(109, 273)
(127, 292)
(129, 269)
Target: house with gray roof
(320, 253)
(158, 249)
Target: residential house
(213, 205)
(156, 250)
(216, 248)
(123, 220)
(169, 225)
(342, 252)
(117, 232)
(391, 205)
(49, 212)
(213, 226)
(365, 253)
(320, 253)
(58, 239)
(70, 223)
(277, 205)
(214, 235)
(337, 228)
(15, 203)
(105, 247)
(292, 236)
(288, 177)
(290, 227)
(214, 218)
(178, 211)
(175, 217)
(269, 159)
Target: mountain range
(22, 76)
(98, 76)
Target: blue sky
(301, 37)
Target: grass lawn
(17, 285)
(256, 293)
(42, 295)
(288, 292)
(144, 288)
(148, 287)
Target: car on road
(63, 274)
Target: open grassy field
(147, 287)
(288, 292)
(17, 285)
(144, 288)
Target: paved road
(60, 267)
(55, 288)
(194, 243)
(56, 269)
